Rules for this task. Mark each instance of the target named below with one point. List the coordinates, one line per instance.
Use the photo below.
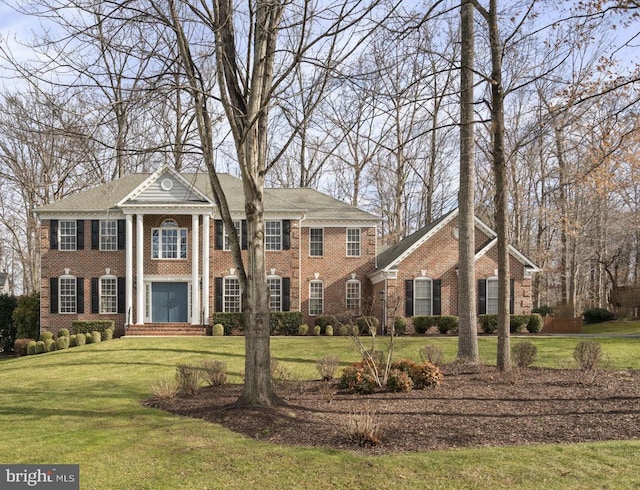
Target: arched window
(169, 241)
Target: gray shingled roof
(309, 202)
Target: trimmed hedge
(597, 315)
(230, 321)
(364, 323)
(20, 346)
(535, 323)
(532, 322)
(285, 322)
(89, 326)
(445, 323)
(323, 321)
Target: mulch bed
(479, 407)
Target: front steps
(166, 330)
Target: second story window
(316, 242)
(67, 235)
(353, 242)
(108, 235)
(237, 225)
(169, 241)
(273, 235)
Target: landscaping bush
(8, 330)
(108, 334)
(327, 366)
(358, 378)
(343, 330)
(285, 322)
(363, 428)
(431, 353)
(96, 337)
(317, 330)
(218, 330)
(323, 321)
(588, 355)
(328, 330)
(535, 323)
(89, 326)
(214, 372)
(188, 379)
(524, 354)
(45, 335)
(399, 325)
(231, 321)
(40, 347)
(518, 322)
(72, 341)
(399, 381)
(88, 338)
(543, 310)
(20, 346)
(423, 375)
(597, 315)
(366, 324)
(488, 323)
(63, 332)
(50, 345)
(63, 342)
(164, 389)
(81, 339)
(445, 323)
(303, 329)
(31, 347)
(26, 316)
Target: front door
(169, 302)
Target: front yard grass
(82, 405)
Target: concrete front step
(166, 329)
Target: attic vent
(166, 184)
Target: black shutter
(218, 294)
(482, 296)
(286, 234)
(53, 294)
(80, 295)
(243, 234)
(53, 235)
(80, 234)
(408, 298)
(121, 294)
(219, 242)
(122, 234)
(512, 298)
(95, 234)
(437, 297)
(95, 295)
(286, 294)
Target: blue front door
(169, 302)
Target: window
(169, 241)
(232, 298)
(108, 294)
(422, 297)
(492, 296)
(108, 235)
(353, 242)
(67, 237)
(67, 294)
(238, 226)
(316, 242)
(353, 295)
(275, 289)
(273, 235)
(316, 298)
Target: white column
(195, 265)
(205, 267)
(140, 269)
(128, 271)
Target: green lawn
(616, 327)
(83, 406)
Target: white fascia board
(520, 257)
(379, 276)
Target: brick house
(150, 251)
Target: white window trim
(349, 242)
(492, 279)
(74, 235)
(279, 249)
(273, 278)
(100, 296)
(322, 242)
(311, 283)
(226, 245)
(430, 298)
(167, 226)
(115, 235)
(359, 284)
(224, 294)
(75, 295)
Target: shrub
(89, 326)
(81, 339)
(31, 347)
(327, 366)
(367, 324)
(518, 322)
(45, 335)
(535, 323)
(588, 355)
(303, 329)
(423, 375)
(399, 325)
(63, 342)
(431, 353)
(108, 334)
(488, 323)
(285, 322)
(524, 354)
(20, 346)
(445, 323)
(8, 330)
(543, 310)
(214, 372)
(328, 331)
(164, 389)
(72, 341)
(343, 330)
(218, 330)
(96, 337)
(63, 332)
(279, 371)
(317, 329)
(231, 321)
(188, 379)
(50, 345)
(597, 315)
(399, 381)
(358, 378)
(323, 321)
(40, 347)
(362, 428)
(27, 316)
(88, 338)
